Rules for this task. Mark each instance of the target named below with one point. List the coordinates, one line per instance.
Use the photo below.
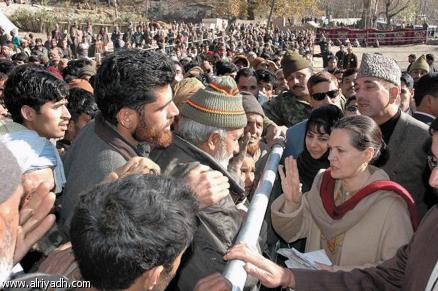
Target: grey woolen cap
(381, 67)
(10, 173)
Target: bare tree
(394, 7)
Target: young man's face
(347, 85)
(153, 125)
(248, 84)
(297, 82)
(373, 98)
(406, 95)
(51, 121)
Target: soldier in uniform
(350, 61)
(292, 106)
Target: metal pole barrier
(250, 229)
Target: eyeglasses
(321, 96)
(432, 162)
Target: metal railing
(250, 229)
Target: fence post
(250, 229)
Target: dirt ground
(399, 53)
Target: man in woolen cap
(211, 123)
(291, 107)
(377, 91)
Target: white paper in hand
(298, 260)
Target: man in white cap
(377, 90)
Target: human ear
(151, 277)
(27, 113)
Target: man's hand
(236, 162)
(136, 165)
(275, 133)
(61, 261)
(209, 186)
(270, 274)
(213, 282)
(35, 218)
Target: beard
(155, 136)
(221, 156)
(253, 148)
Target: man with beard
(130, 234)
(212, 122)
(256, 149)
(133, 93)
(291, 107)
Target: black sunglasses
(321, 96)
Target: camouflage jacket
(286, 109)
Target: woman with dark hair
(315, 154)
(352, 211)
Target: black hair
(33, 59)
(129, 78)
(430, 57)
(81, 101)
(73, 67)
(33, 86)
(245, 72)
(427, 85)
(365, 133)
(265, 76)
(348, 72)
(20, 57)
(224, 67)
(3, 76)
(349, 100)
(324, 118)
(122, 229)
(6, 66)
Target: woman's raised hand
(290, 181)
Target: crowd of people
(135, 171)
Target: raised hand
(290, 181)
(35, 219)
(236, 162)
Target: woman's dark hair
(323, 119)
(349, 100)
(365, 133)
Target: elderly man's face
(9, 219)
(255, 128)
(227, 147)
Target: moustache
(297, 87)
